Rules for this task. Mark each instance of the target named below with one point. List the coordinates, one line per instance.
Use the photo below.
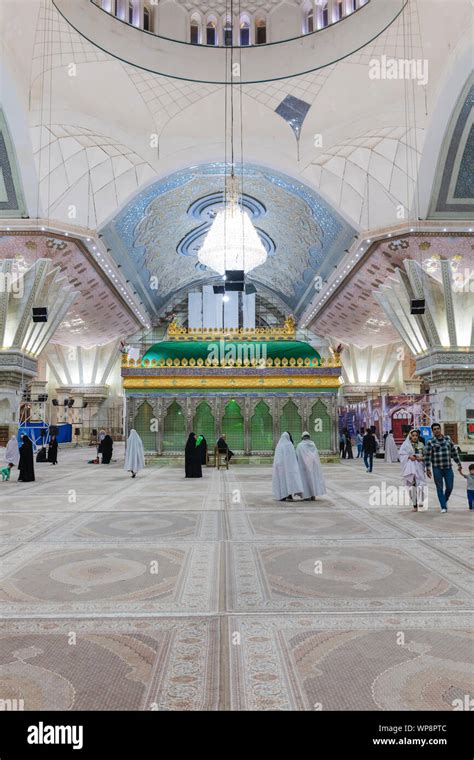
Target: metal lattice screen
(320, 425)
(290, 421)
(261, 428)
(204, 423)
(143, 425)
(174, 429)
(233, 426)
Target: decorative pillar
(139, 13)
(247, 415)
(440, 338)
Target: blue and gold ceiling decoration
(12, 203)
(205, 210)
(156, 236)
(453, 189)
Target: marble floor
(161, 593)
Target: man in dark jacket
(369, 447)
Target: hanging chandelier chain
(232, 241)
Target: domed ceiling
(156, 237)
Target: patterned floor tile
(306, 523)
(344, 662)
(44, 580)
(165, 664)
(144, 527)
(354, 575)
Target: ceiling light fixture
(232, 241)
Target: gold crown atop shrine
(287, 331)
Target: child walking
(6, 472)
(470, 486)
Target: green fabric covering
(290, 421)
(261, 428)
(203, 422)
(289, 349)
(143, 425)
(233, 426)
(320, 426)
(174, 429)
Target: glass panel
(146, 20)
(228, 37)
(261, 35)
(261, 428)
(320, 426)
(210, 35)
(245, 36)
(204, 424)
(290, 421)
(194, 34)
(174, 429)
(142, 425)
(233, 426)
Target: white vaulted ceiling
(96, 133)
(133, 126)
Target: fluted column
(441, 338)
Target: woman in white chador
(391, 451)
(413, 471)
(286, 479)
(12, 452)
(134, 455)
(310, 468)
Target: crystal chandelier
(232, 241)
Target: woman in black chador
(53, 450)
(105, 448)
(25, 465)
(192, 458)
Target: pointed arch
(261, 428)
(211, 30)
(195, 29)
(320, 426)
(144, 427)
(290, 421)
(233, 425)
(204, 423)
(174, 429)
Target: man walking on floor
(369, 448)
(438, 454)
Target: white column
(139, 10)
(195, 310)
(248, 302)
(155, 16)
(212, 308)
(236, 30)
(231, 310)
